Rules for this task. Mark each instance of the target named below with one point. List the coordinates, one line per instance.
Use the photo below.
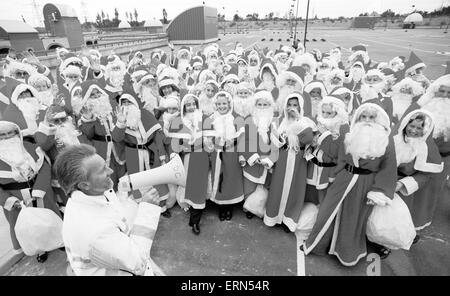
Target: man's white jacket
(100, 239)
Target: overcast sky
(148, 9)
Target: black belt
(445, 154)
(29, 139)
(19, 186)
(323, 164)
(139, 146)
(102, 138)
(286, 147)
(357, 171)
(401, 174)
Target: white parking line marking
(300, 257)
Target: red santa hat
(13, 66)
(15, 87)
(268, 64)
(171, 102)
(232, 75)
(60, 50)
(71, 70)
(244, 85)
(295, 72)
(87, 87)
(196, 61)
(165, 81)
(37, 78)
(57, 111)
(170, 72)
(359, 60)
(308, 59)
(9, 126)
(413, 63)
(375, 72)
(183, 50)
(242, 58)
(69, 59)
(382, 117)
(13, 114)
(341, 90)
(210, 49)
(278, 53)
(214, 83)
(426, 160)
(337, 105)
(264, 95)
(359, 50)
(316, 84)
(433, 88)
(115, 61)
(329, 62)
(205, 75)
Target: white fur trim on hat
(307, 59)
(74, 70)
(264, 95)
(433, 88)
(415, 86)
(20, 89)
(315, 84)
(382, 119)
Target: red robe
(41, 190)
(342, 218)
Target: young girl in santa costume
(227, 178)
(188, 133)
(288, 184)
(332, 124)
(418, 159)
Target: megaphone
(171, 173)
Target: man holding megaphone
(104, 234)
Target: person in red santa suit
(115, 78)
(336, 56)
(56, 132)
(227, 178)
(356, 73)
(97, 122)
(308, 63)
(257, 150)
(143, 138)
(145, 86)
(231, 80)
(332, 125)
(371, 91)
(436, 100)
(324, 67)
(188, 135)
(182, 60)
(334, 79)
(267, 77)
(316, 91)
(289, 81)
(210, 89)
(254, 65)
(243, 99)
(404, 94)
(346, 96)
(24, 107)
(25, 177)
(414, 68)
(359, 51)
(71, 76)
(46, 91)
(418, 159)
(365, 175)
(18, 70)
(288, 183)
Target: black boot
(196, 229)
(228, 215)
(166, 214)
(249, 215)
(285, 228)
(41, 258)
(416, 239)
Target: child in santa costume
(210, 89)
(258, 151)
(227, 178)
(404, 94)
(357, 72)
(308, 63)
(143, 138)
(25, 177)
(97, 122)
(288, 183)
(365, 175)
(346, 96)
(187, 134)
(316, 91)
(289, 81)
(436, 101)
(332, 125)
(267, 77)
(418, 159)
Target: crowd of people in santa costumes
(264, 131)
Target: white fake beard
(315, 101)
(66, 135)
(242, 105)
(168, 117)
(224, 126)
(405, 150)
(212, 65)
(77, 104)
(133, 116)
(400, 102)
(335, 57)
(322, 74)
(242, 72)
(71, 83)
(439, 108)
(45, 98)
(116, 78)
(12, 151)
(366, 140)
(368, 92)
(253, 71)
(101, 106)
(281, 67)
(357, 74)
(262, 118)
(30, 111)
(149, 99)
(192, 119)
(267, 84)
(333, 125)
(183, 64)
(206, 104)
(330, 85)
(230, 88)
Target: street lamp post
(224, 22)
(295, 29)
(237, 21)
(306, 24)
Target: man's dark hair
(68, 167)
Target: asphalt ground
(248, 247)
